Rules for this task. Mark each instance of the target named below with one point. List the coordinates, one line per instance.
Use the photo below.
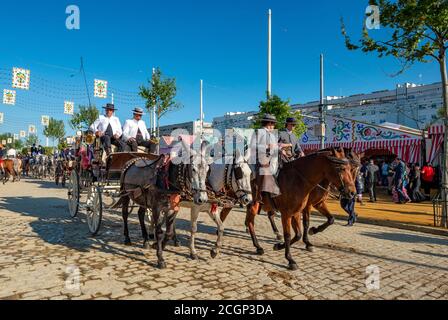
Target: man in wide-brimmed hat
(289, 142)
(136, 134)
(108, 128)
(263, 152)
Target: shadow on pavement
(406, 238)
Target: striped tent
(436, 134)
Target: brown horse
(316, 199)
(12, 167)
(296, 181)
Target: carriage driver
(289, 143)
(136, 134)
(108, 128)
(263, 151)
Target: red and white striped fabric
(436, 129)
(436, 134)
(408, 150)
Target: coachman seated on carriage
(108, 128)
(135, 133)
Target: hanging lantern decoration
(45, 120)
(69, 107)
(1, 117)
(21, 78)
(100, 90)
(32, 129)
(16, 137)
(3, 142)
(9, 140)
(9, 97)
(22, 134)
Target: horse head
(242, 179)
(198, 168)
(339, 173)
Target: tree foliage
(418, 31)
(281, 110)
(160, 93)
(55, 129)
(83, 119)
(31, 139)
(16, 144)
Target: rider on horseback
(289, 143)
(263, 151)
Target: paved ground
(43, 253)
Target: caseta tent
(404, 142)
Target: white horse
(230, 182)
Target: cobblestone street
(43, 249)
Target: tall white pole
(202, 110)
(322, 102)
(269, 88)
(112, 98)
(151, 110)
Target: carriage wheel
(73, 194)
(94, 210)
(63, 180)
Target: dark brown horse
(296, 181)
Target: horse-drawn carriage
(97, 176)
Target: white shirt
(11, 153)
(130, 129)
(103, 122)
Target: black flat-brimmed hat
(291, 121)
(138, 111)
(110, 106)
(268, 118)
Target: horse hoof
(176, 244)
(127, 242)
(146, 245)
(213, 254)
(194, 256)
(161, 265)
(312, 231)
(154, 246)
(260, 251)
(310, 248)
(293, 267)
(278, 246)
(279, 237)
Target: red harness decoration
(214, 208)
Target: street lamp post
(322, 103)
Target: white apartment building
(230, 120)
(192, 127)
(409, 105)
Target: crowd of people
(404, 181)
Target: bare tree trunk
(443, 73)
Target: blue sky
(221, 42)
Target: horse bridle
(228, 181)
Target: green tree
(417, 31)
(160, 94)
(55, 130)
(16, 144)
(83, 119)
(281, 110)
(31, 139)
